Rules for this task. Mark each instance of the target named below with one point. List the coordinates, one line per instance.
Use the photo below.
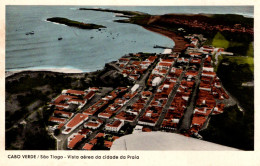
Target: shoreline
(56, 70)
(179, 43)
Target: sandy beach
(178, 40)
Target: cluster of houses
(210, 91)
(174, 78)
(76, 138)
(160, 71)
(162, 78)
(194, 23)
(67, 103)
(132, 111)
(108, 141)
(178, 105)
(112, 109)
(133, 68)
(103, 102)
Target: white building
(156, 81)
(134, 88)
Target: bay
(86, 50)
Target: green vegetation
(250, 51)
(232, 75)
(232, 43)
(37, 138)
(231, 19)
(220, 41)
(73, 23)
(242, 61)
(234, 128)
(231, 128)
(32, 136)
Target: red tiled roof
(76, 120)
(87, 146)
(77, 100)
(74, 141)
(61, 98)
(89, 95)
(108, 144)
(151, 58)
(60, 125)
(164, 64)
(77, 92)
(84, 131)
(198, 120)
(124, 59)
(100, 135)
(145, 129)
(93, 141)
(69, 114)
(58, 120)
(116, 123)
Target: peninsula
(73, 23)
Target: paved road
(63, 138)
(186, 121)
(169, 101)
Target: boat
(30, 33)
(60, 38)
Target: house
(63, 114)
(93, 124)
(123, 60)
(90, 95)
(208, 73)
(95, 89)
(198, 121)
(73, 92)
(114, 126)
(87, 146)
(156, 81)
(57, 120)
(151, 59)
(108, 144)
(77, 120)
(146, 94)
(145, 65)
(134, 88)
(125, 116)
(73, 140)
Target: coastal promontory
(73, 23)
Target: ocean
(85, 50)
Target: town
(173, 92)
(203, 23)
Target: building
(93, 124)
(134, 88)
(77, 120)
(87, 146)
(73, 140)
(114, 126)
(156, 81)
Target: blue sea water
(87, 50)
